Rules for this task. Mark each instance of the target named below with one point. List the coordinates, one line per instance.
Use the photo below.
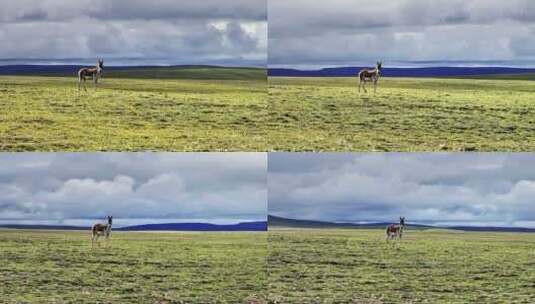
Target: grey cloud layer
(495, 189)
(58, 188)
(62, 10)
(175, 32)
(355, 31)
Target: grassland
(193, 72)
(406, 114)
(61, 267)
(430, 266)
(126, 114)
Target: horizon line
(136, 65)
(420, 223)
(319, 68)
(140, 224)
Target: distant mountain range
(206, 72)
(35, 69)
(401, 72)
(218, 72)
(275, 221)
(245, 226)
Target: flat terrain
(134, 267)
(406, 114)
(136, 114)
(428, 266)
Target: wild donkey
(370, 75)
(393, 231)
(101, 229)
(94, 72)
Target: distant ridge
(401, 72)
(247, 226)
(244, 226)
(160, 72)
(490, 229)
(275, 221)
(43, 227)
(295, 223)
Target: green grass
(61, 267)
(520, 76)
(49, 114)
(430, 266)
(194, 72)
(406, 114)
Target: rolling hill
(508, 73)
(275, 221)
(197, 72)
(243, 226)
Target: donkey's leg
(81, 81)
(375, 86)
(364, 86)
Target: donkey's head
(379, 65)
(100, 64)
(110, 220)
(402, 220)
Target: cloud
(134, 187)
(345, 32)
(426, 188)
(62, 10)
(165, 32)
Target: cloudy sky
(229, 32)
(136, 188)
(443, 189)
(305, 33)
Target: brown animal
(366, 75)
(90, 72)
(101, 230)
(393, 231)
